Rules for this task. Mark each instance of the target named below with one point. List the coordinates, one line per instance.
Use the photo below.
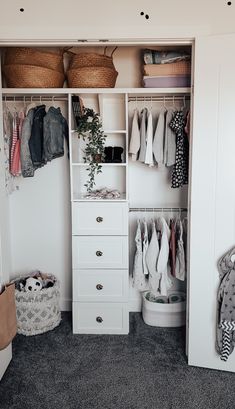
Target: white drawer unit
(100, 285)
(100, 219)
(100, 252)
(100, 227)
(100, 318)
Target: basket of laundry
(37, 299)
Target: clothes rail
(32, 98)
(158, 209)
(159, 98)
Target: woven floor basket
(38, 312)
(92, 77)
(33, 56)
(90, 60)
(32, 76)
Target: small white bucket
(163, 315)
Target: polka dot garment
(180, 171)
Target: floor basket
(34, 56)
(92, 77)
(163, 315)
(38, 312)
(32, 76)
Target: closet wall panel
(41, 227)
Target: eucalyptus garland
(89, 127)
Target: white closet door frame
(212, 215)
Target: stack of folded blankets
(166, 69)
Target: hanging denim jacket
(55, 129)
(36, 138)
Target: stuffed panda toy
(33, 284)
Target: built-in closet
(54, 198)
(102, 231)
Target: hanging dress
(143, 130)
(139, 279)
(149, 141)
(180, 171)
(145, 248)
(10, 180)
(158, 141)
(170, 140)
(162, 264)
(134, 145)
(180, 255)
(151, 261)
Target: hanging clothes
(27, 167)
(145, 247)
(143, 131)
(158, 141)
(172, 249)
(149, 141)
(180, 171)
(162, 264)
(226, 306)
(134, 145)
(170, 140)
(15, 152)
(180, 268)
(36, 138)
(55, 132)
(151, 260)
(10, 181)
(14, 138)
(139, 279)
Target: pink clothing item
(15, 166)
(15, 128)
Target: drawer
(100, 252)
(100, 285)
(100, 218)
(100, 318)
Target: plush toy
(33, 284)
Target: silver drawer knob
(99, 253)
(99, 219)
(99, 319)
(99, 287)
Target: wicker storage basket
(90, 60)
(34, 56)
(32, 76)
(38, 312)
(92, 77)
(176, 68)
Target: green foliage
(90, 129)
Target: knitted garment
(226, 306)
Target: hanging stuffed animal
(33, 284)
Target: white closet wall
(122, 19)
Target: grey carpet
(146, 369)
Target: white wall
(73, 19)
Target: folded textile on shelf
(103, 193)
(164, 56)
(167, 81)
(176, 68)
